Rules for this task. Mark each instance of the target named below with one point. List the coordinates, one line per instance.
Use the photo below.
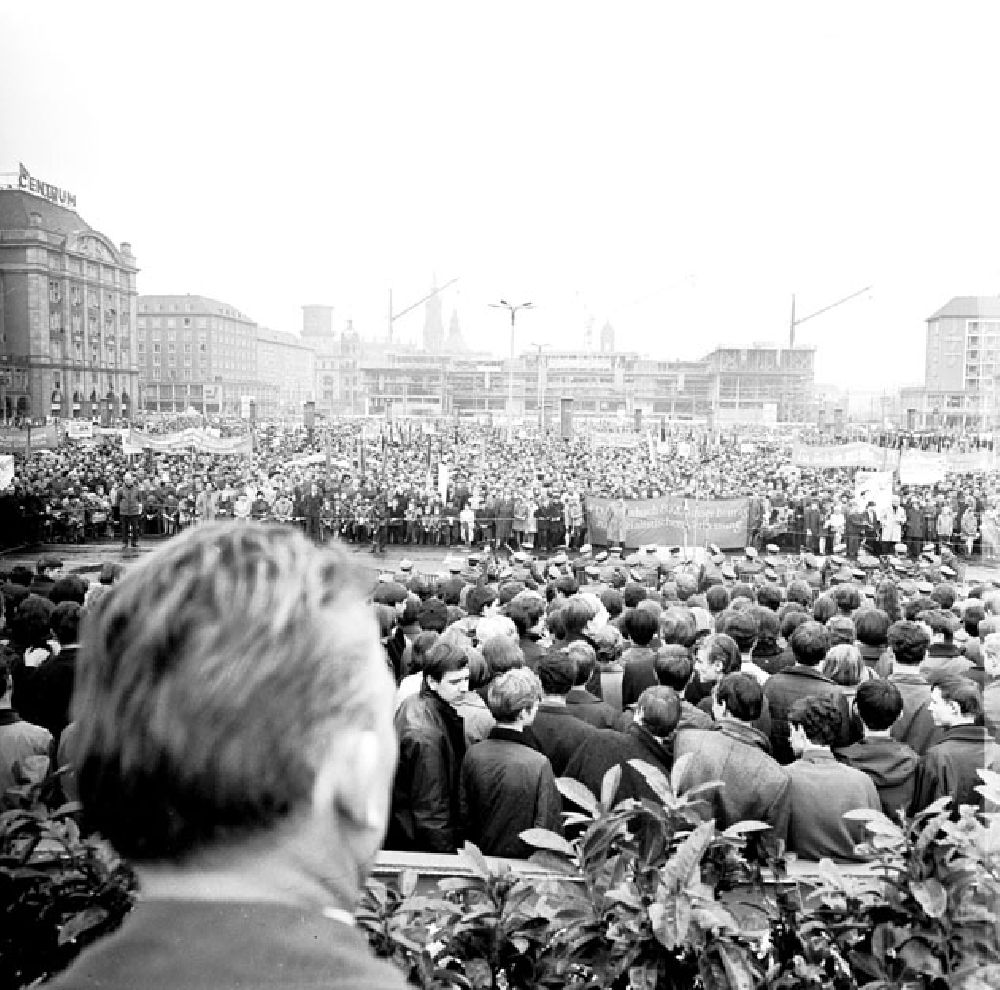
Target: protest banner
(6, 470)
(17, 441)
(668, 521)
(921, 467)
(79, 429)
(848, 455)
(187, 439)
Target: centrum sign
(27, 182)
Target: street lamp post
(503, 304)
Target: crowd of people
(473, 484)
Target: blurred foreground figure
(235, 744)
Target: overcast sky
(677, 169)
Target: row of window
(145, 306)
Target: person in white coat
(891, 519)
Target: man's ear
(344, 782)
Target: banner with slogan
(79, 429)
(969, 462)
(17, 441)
(927, 467)
(848, 455)
(669, 521)
(200, 440)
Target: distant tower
(607, 338)
(317, 321)
(455, 341)
(433, 323)
(350, 342)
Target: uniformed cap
(520, 556)
(719, 558)
(858, 573)
(836, 560)
(714, 548)
(925, 587)
(810, 561)
(947, 571)
(770, 573)
(773, 548)
(601, 556)
(868, 591)
(616, 550)
(751, 552)
(675, 551)
(729, 572)
(840, 548)
(635, 574)
(901, 549)
(592, 570)
(586, 550)
(553, 572)
(928, 548)
(385, 577)
(474, 558)
(455, 567)
(406, 565)
(900, 565)
(560, 558)
(649, 548)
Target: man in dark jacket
(915, 726)
(891, 764)
(949, 768)
(130, 511)
(425, 794)
(580, 701)
(648, 738)
(556, 731)
(51, 683)
(809, 643)
(507, 786)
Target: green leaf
(931, 896)
(88, 918)
(670, 917)
(579, 794)
(609, 787)
(680, 869)
(543, 838)
(919, 958)
(657, 781)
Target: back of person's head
(432, 616)
(973, 614)
(887, 599)
(557, 672)
(501, 654)
(567, 585)
(478, 598)
(411, 610)
(841, 629)
(31, 624)
(633, 593)
(791, 621)
(916, 606)
(721, 649)
(908, 642)
(65, 622)
(491, 626)
(801, 593)
(585, 658)
(613, 601)
(678, 627)
(674, 666)
(445, 657)
(770, 597)
(941, 623)
(687, 585)
(879, 704)
(871, 626)
(843, 664)
(717, 598)
(847, 597)
(820, 718)
(659, 710)
(742, 695)
(964, 693)
(513, 692)
(189, 669)
(825, 607)
(608, 643)
(944, 595)
(743, 628)
(809, 643)
(556, 623)
(386, 617)
(742, 590)
(69, 588)
(768, 627)
(641, 626)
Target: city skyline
(677, 173)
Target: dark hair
(871, 626)
(717, 598)
(770, 597)
(557, 672)
(809, 643)
(31, 624)
(613, 601)
(478, 598)
(791, 621)
(743, 628)
(941, 623)
(577, 612)
(673, 666)
(825, 607)
(722, 649)
(501, 653)
(887, 599)
(799, 591)
(585, 658)
(742, 695)
(632, 594)
(945, 595)
(4, 675)
(567, 585)
(768, 626)
(973, 615)
(69, 588)
(965, 694)
(422, 644)
(65, 622)
(820, 717)
(433, 615)
(556, 623)
(841, 629)
(660, 708)
(444, 657)
(908, 642)
(914, 607)
(847, 597)
(641, 625)
(879, 704)
(678, 628)
(742, 590)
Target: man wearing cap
(750, 566)
(130, 511)
(47, 571)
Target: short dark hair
(444, 657)
(567, 585)
(871, 625)
(433, 615)
(585, 657)
(879, 704)
(825, 607)
(673, 666)
(65, 622)
(791, 621)
(965, 694)
(768, 625)
(847, 597)
(660, 708)
(743, 628)
(722, 649)
(908, 642)
(633, 593)
(770, 597)
(557, 672)
(800, 592)
(641, 625)
(841, 629)
(577, 612)
(820, 717)
(742, 695)
(478, 598)
(945, 595)
(973, 615)
(69, 588)
(613, 601)
(717, 598)
(941, 623)
(501, 654)
(809, 643)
